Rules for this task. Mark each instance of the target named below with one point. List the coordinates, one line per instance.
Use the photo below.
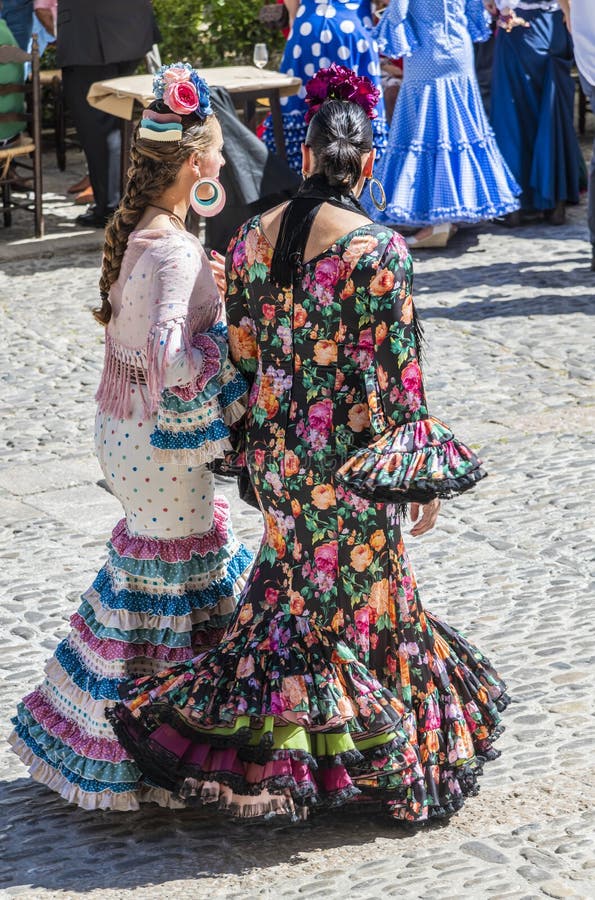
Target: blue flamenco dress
(533, 105)
(442, 163)
(325, 32)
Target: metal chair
(28, 144)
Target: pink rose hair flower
(181, 97)
(340, 83)
(181, 88)
(176, 75)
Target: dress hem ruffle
(49, 777)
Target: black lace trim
(296, 222)
(421, 491)
(163, 769)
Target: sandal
(439, 236)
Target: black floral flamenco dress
(331, 682)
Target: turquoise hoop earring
(214, 204)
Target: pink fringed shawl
(164, 298)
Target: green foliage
(213, 32)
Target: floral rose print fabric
(330, 634)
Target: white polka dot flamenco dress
(174, 569)
(335, 31)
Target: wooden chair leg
(38, 193)
(36, 123)
(6, 207)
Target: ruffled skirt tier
(442, 163)
(282, 718)
(154, 603)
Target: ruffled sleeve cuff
(478, 21)
(394, 33)
(412, 463)
(193, 421)
(174, 359)
(211, 367)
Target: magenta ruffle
(175, 549)
(215, 762)
(111, 649)
(211, 366)
(70, 734)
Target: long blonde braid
(154, 167)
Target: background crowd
(462, 135)
(445, 162)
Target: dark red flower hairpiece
(340, 83)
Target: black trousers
(98, 132)
(484, 60)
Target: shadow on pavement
(501, 281)
(553, 305)
(47, 843)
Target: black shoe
(94, 218)
(510, 220)
(557, 215)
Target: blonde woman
(166, 395)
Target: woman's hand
(218, 269)
(565, 7)
(428, 517)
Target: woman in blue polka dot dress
(167, 395)
(442, 164)
(325, 32)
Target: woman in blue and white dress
(533, 106)
(325, 32)
(442, 164)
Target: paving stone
(510, 325)
(485, 852)
(557, 889)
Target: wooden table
(246, 84)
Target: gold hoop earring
(379, 204)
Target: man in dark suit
(96, 41)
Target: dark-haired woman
(167, 392)
(331, 681)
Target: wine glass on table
(261, 55)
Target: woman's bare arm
(292, 8)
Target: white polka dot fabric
(333, 32)
(162, 501)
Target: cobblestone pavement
(510, 330)
(59, 211)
